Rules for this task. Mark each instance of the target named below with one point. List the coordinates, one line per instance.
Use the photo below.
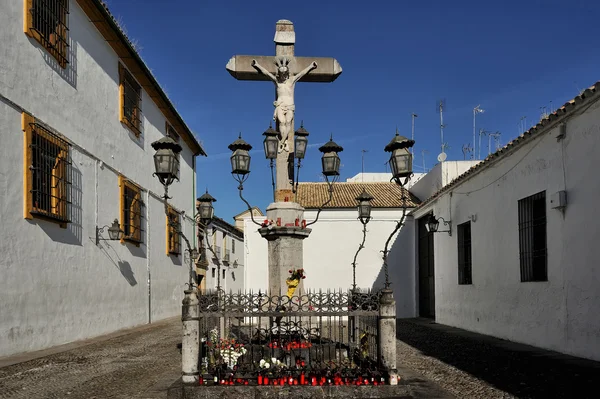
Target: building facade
(224, 257)
(521, 261)
(83, 109)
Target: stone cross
(284, 69)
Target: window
(131, 211)
(173, 134)
(173, 238)
(46, 22)
(464, 253)
(223, 274)
(232, 245)
(213, 272)
(532, 238)
(130, 95)
(47, 173)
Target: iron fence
(314, 338)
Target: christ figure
(284, 104)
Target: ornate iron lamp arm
(240, 188)
(330, 184)
(385, 251)
(272, 180)
(361, 246)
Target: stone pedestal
(284, 237)
(387, 330)
(190, 343)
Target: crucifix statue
(285, 70)
(284, 104)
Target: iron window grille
(131, 212)
(465, 258)
(131, 101)
(48, 175)
(173, 238)
(47, 22)
(175, 136)
(532, 238)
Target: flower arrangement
(228, 349)
(294, 280)
(272, 363)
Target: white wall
(439, 176)
(57, 285)
(383, 177)
(234, 276)
(329, 252)
(562, 313)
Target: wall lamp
(114, 232)
(432, 225)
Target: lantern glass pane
(331, 164)
(401, 162)
(240, 162)
(300, 146)
(364, 210)
(206, 210)
(270, 144)
(164, 162)
(113, 234)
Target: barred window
(175, 136)
(48, 173)
(130, 94)
(464, 253)
(173, 238)
(532, 238)
(232, 245)
(47, 22)
(131, 211)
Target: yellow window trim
(171, 234)
(136, 238)
(123, 75)
(29, 30)
(30, 211)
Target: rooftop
(386, 195)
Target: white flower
(273, 360)
(267, 365)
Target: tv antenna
(467, 149)
(363, 164)
(440, 107)
(412, 117)
(423, 154)
(496, 137)
(482, 132)
(544, 114)
(476, 110)
(522, 124)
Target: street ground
(434, 361)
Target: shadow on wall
(72, 235)
(401, 272)
(68, 74)
(123, 266)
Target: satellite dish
(441, 157)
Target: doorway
(426, 271)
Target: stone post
(190, 343)
(387, 332)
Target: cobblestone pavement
(128, 366)
(471, 365)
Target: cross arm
(240, 67)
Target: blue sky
(398, 57)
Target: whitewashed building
(329, 250)
(521, 262)
(248, 214)
(83, 108)
(226, 260)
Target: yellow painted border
(124, 182)
(26, 121)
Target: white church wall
(329, 251)
(57, 285)
(557, 314)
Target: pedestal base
(285, 236)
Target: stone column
(190, 343)
(387, 332)
(284, 238)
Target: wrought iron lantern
(114, 232)
(205, 208)
(432, 223)
(194, 253)
(364, 206)
(300, 142)
(330, 159)
(271, 143)
(240, 159)
(401, 158)
(166, 161)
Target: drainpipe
(194, 195)
(148, 257)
